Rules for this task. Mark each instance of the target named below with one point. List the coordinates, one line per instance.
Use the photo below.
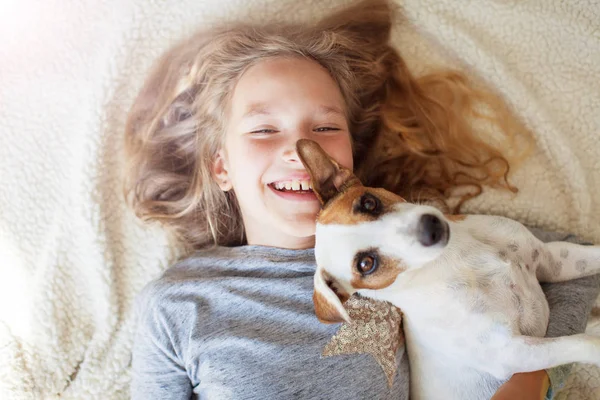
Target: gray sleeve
(157, 369)
(570, 305)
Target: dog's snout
(431, 230)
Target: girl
(211, 140)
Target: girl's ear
(221, 173)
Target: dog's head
(365, 237)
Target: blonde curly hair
(413, 136)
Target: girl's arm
(570, 305)
(157, 370)
(528, 386)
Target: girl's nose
(290, 154)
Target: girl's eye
(263, 131)
(326, 129)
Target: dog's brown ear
(327, 176)
(329, 305)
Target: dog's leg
(528, 353)
(562, 261)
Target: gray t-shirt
(239, 323)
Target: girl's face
(274, 104)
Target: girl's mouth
(294, 190)
(292, 186)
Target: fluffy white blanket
(72, 258)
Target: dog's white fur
(473, 309)
(474, 312)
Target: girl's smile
(295, 188)
(294, 193)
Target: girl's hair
(413, 136)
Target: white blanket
(72, 257)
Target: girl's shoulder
(204, 269)
(220, 260)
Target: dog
(468, 286)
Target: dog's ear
(327, 176)
(328, 303)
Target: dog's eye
(366, 263)
(370, 204)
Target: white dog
(468, 286)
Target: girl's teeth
(304, 185)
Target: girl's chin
(302, 225)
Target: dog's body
(468, 287)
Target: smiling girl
(211, 143)
(274, 104)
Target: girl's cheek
(341, 150)
(245, 148)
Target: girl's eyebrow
(262, 109)
(256, 109)
(331, 110)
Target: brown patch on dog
(595, 312)
(328, 178)
(455, 217)
(325, 311)
(338, 190)
(341, 294)
(383, 277)
(340, 210)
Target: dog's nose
(432, 230)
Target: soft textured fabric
(238, 323)
(73, 258)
